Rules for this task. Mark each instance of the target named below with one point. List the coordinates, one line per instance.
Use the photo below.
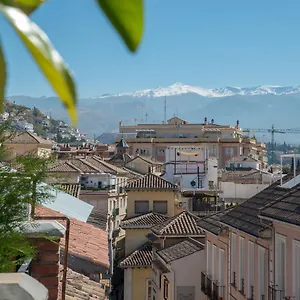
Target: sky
(213, 43)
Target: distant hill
(254, 107)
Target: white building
(191, 168)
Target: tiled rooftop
(148, 159)
(244, 217)
(212, 223)
(98, 218)
(182, 224)
(26, 137)
(286, 209)
(92, 164)
(180, 250)
(151, 182)
(143, 221)
(86, 240)
(142, 257)
(80, 287)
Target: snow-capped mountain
(181, 89)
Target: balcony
(218, 291)
(115, 212)
(242, 290)
(203, 282)
(252, 293)
(276, 293)
(233, 279)
(209, 287)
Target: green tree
(125, 16)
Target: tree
(125, 16)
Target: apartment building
(253, 249)
(223, 141)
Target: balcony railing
(233, 279)
(242, 290)
(215, 295)
(209, 287)
(276, 293)
(203, 282)
(251, 296)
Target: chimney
(212, 121)
(237, 124)
(205, 121)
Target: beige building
(223, 141)
(144, 165)
(253, 249)
(25, 142)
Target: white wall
(127, 283)
(239, 190)
(92, 180)
(187, 272)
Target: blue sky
(211, 43)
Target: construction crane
(273, 130)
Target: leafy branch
(125, 15)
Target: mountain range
(254, 107)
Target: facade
(144, 165)
(223, 142)
(252, 249)
(243, 162)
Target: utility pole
(165, 110)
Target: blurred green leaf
(46, 57)
(27, 6)
(2, 79)
(128, 19)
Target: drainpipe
(66, 252)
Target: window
(232, 259)
(160, 207)
(229, 151)
(250, 270)
(141, 207)
(280, 261)
(214, 263)
(221, 267)
(262, 272)
(166, 288)
(208, 258)
(242, 265)
(296, 269)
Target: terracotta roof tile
(142, 257)
(143, 221)
(148, 159)
(151, 182)
(83, 237)
(182, 224)
(62, 166)
(25, 137)
(180, 250)
(80, 287)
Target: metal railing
(251, 296)
(233, 279)
(242, 289)
(203, 282)
(209, 287)
(276, 293)
(215, 294)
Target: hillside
(33, 120)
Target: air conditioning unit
(182, 204)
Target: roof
(148, 159)
(86, 241)
(151, 182)
(98, 218)
(286, 208)
(245, 217)
(242, 158)
(182, 224)
(80, 287)
(143, 221)
(212, 223)
(180, 250)
(142, 257)
(120, 159)
(90, 164)
(25, 137)
(72, 189)
(122, 144)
